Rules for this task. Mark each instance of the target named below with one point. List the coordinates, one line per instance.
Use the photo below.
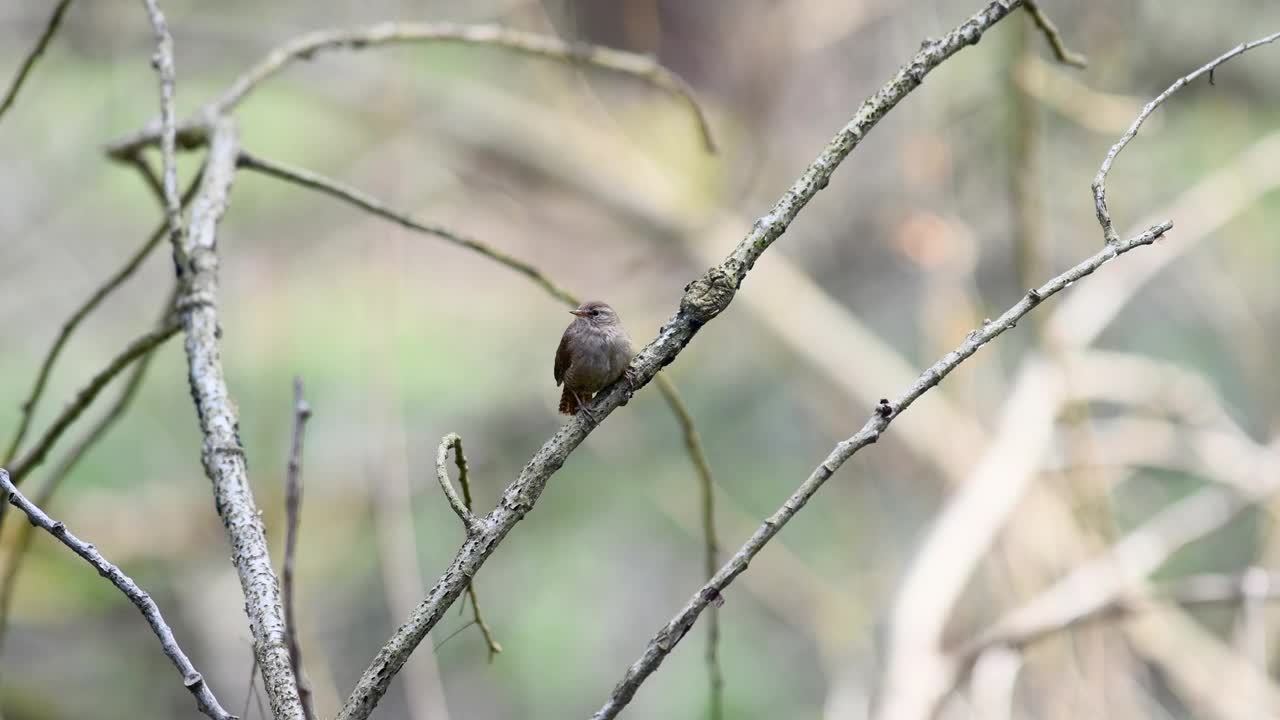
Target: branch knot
(708, 296)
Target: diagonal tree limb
(44, 495)
(195, 130)
(191, 678)
(704, 299)
(332, 188)
(1100, 180)
(83, 399)
(29, 61)
(222, 454)
(293, 517)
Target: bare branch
(1100, 180)
(20, 544)
(224, 462)
(194, 130)
(485, 631)
(29, 62)
(335, 189)
(163, 63)
(704, 299)
(1201, 210)
(1054, 38)
(293, 516)
(191, 678)
(469, 521)
(711, 550)
(86, 396)
(69, 326)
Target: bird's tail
(569, 403)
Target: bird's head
(596, 313)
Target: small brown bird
(594, 351)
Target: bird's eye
(595, 312)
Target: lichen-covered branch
(192, 680)
(194, 130)
(293, 518)
(1100, 180)
(704, 299)
(222, 454)
(29, 61)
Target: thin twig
(191, 678)
(21, 543)
(463, 510)
(194, 130)
(27, 63)
(1064, 54)
(86, 396)
(162, 60)
(703, 300)
(196, 258)
(469, 521)
(711, 550)
(335, 189)
(293, 517)
(69, 326)
(1100, 180)
(253, 681)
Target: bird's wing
(562, 359)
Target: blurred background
(1150, 384)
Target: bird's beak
(579, 313)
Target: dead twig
(1050, 31)
(195, 130)
(293, 517)
(1100, 180)
(469, 521)
(29, 61)
(191, 678)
